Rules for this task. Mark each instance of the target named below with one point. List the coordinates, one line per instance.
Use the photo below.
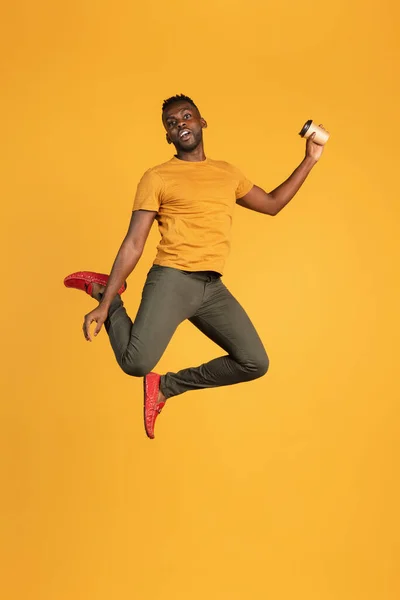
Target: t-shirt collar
(189, 162)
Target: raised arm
(272, 203)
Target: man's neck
(196, 155)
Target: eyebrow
(181, 110)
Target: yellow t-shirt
(194, 203)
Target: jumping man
(192, 198)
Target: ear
(167, 138)
(203, 123)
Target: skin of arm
(126, 260)
(272, 203)
(129, 253)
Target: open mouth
(184, 134)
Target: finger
(86, 333)
(312, 136)
(98, 326)
(86, 328)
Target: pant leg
(225, 322)
(169, 297)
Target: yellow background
(285, 488)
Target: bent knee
(137, 368)
(257, 367)
(262, 366)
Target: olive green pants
(169, 297)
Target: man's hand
(314, 150)
(99, 315)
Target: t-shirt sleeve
(149, 191)
(244, 185)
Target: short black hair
(177, 98)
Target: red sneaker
(83, 280)
(152, 409)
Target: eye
(171, 124)
(187, 116)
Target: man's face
(184, 126)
